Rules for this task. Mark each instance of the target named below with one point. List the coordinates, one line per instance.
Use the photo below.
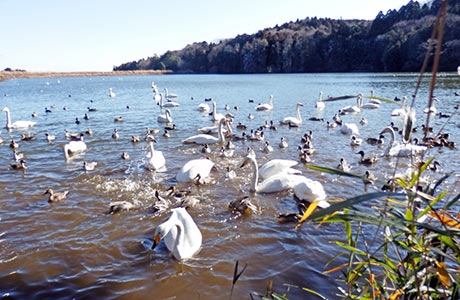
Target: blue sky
(95, 35)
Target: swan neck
(151, 148)
(298, 114)
(390, 144)
(8, 119)
(271, 101)
(221, 135)
(161, 101)
(255, 175)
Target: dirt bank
(5, 75)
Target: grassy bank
(5, 75)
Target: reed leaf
(333, 171)
(382, 99)
(452, 202)
(339, 98)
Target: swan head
(151, 138)
(299, 104)
(6, 109)
(387, 129)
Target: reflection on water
(73, 248)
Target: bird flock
(180, 233)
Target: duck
(375, 141)
(74, 147)
(166, 134)
(273, 184)
(125, 156)
(181, 235)
(343, 165)
(193, 168)
(14, 145)
(242, 205)
(47, 110)
(77, 121)
(368, 178)
(118, 119)
(265, 106)
(86, 117)
(320, 104)
(293, 121)
(330, 125)
(241, 126)
(251, 116)
(17, 156)
(152, 131)
(19, 166)
(91, 109)
(56, 196)
(115, 134)
(89, 166)
(363, 122)
(206, 149)
(226, 152)
(34, 115)
(89, 132)
(118, 206)
(268, 148)
(29, 137)
(370, 160)
(202, 139)
(402, 150)
(230, 174)
(165, 118)
(283, 144)
(50, 137)
(156, 160)
(17, 124)
(135, 139)
(356, 141)
(289, 218)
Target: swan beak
(156, 240)
(245, 162)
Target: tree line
(392, 42)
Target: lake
(73, 249)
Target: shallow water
(72, 249)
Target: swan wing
(276, 166)
(23, 124)
(194, 167)
(201, 139)
(311, 191)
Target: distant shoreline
(6, 75)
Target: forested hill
(395, 41)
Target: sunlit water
(73, 249)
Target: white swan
(17, 124)
(168, 95)
(349, 129)
(266, 106)
(203, 107)
(372, 104)
(431, 109)
(167, 104)
(180, 234)
(311, 191)
(165, 118)
(193, 168)
(355, 108)
(111, 93)
(402, 150)
(202, 139)
(320, 103)
(215, 116)
(291, 121)
(272, 184)
(156, 158)
(278, 166)
(74, 147)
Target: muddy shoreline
(6, 75)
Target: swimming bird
(283, 143)
(363, 122)
(367, 160)
(47, 110)
(265, 106)
(356, 141)
(401, 150)
(135, 139)
(89, 166)
(230, 174)
(368, 178)
(91, 109)
(293, 121)
(118, 119)
(166, 134)
(29, 137)
(56, 196)
(74, 147)
(202, 139)
(125, 155)
(372, 104)
(86, 117)
(168, 103)
(216, 116)
(169, 95)
(17, 156)
(156, 160)
(111, 93)
(17, 124)
(203, 107)
(14, 145)
(355, 108)
(181, 235)
(115, 134)
(242, 205)
(320, 103)
(431, 109)
(375, 141)
(251, 116)
(400, 112)
(34, 115)
(19, 166)
(77, 121)
(206, 149)
(343, 165)
(349, 129)
(118, 206)
(272, 184)
(193, 168)
(165, 118)
(311, 191)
